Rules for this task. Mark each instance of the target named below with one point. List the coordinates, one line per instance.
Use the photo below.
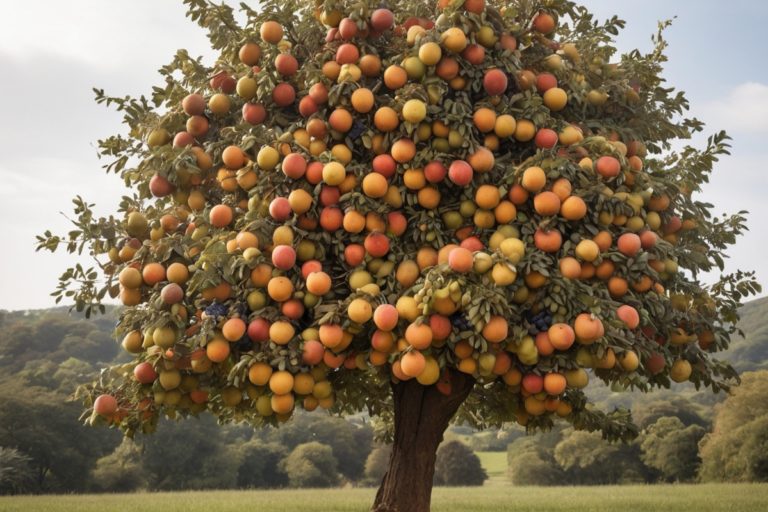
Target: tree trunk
(422, 414)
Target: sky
(52, 53)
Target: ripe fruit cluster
(408, 198)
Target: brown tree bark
(422, 414)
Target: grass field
(677, 498)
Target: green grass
(677, 498)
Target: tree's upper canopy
(360, 191)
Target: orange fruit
(340, 120)
(605, 270)
(280, 288)
(385, 119)
(561, 336)
(629, 316)
(546, 203)
(217, 350)
(555, 99)
(534, 179)
(359, 311)
(484, 119)
(573, 208)
(370, 65)
(548, 241)
(331, 335)
(403, 150)
(587, 250)
(460, 260)
(505, 126)
(525, 130)
(430, 53)
(496, 329)
(588, 328)
(629, 244)
(617, 286)
(604, 240)
(395, 77)
(271, 32)
(221, 216)
(375, 185)
(412, 363)
(482, 160)
(130, 278)
(554, 383)
(562, 187)
(570, 268)
(153, 273)
(281, 382)
(487, 197)
(454, 40)
(233, 329)
(419, 335)
(281, 332)
(362, 100)
(319, 283)
(385, 317)
(259, 373)
(414, 111)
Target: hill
(750, 352)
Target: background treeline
(686, 435)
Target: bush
(311, 465)
(457, 465)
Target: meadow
(490, 498)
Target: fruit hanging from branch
(469, 201)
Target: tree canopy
(353, 195)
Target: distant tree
(376, 464)
(530, 460)
(190, 455)
(351, 443)
(457, 465)
(671, 448)
(648, 412)
(96, 347)
(587, 459)
(40, 374)
(260, 466)
(740, 428)
(45, 427)
(311, 465)
(17, 476)
(534, 467)
(71, 373)
(754, 451)
(120, 471)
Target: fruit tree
(423, 210)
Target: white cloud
(743, 110)
(112, 35)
